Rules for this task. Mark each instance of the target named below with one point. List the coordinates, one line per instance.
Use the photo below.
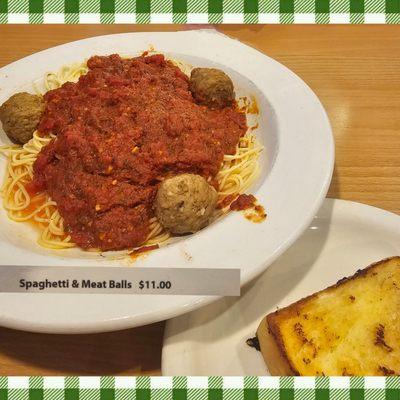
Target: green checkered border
(199, 388)
(200, 11)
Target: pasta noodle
(236, 175)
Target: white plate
(297, 166)
(343, 237)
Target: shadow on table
(129, 352)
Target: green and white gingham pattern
(199, 388)
(200, 11)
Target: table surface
(354, 70)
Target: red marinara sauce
(121, 129)
(243, 202)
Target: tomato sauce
(121, 129)
(243, 202)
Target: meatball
(20, 116)
(184, 203)
(211, 87)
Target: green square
(35, 394)
(3, 6)
(36, 6)
(321, 394)
(268, 6)
(232, 6)
(214, 394)
(71, 394)
(107, 6)
(125, 394)
(304, 6)
(215, 7)
(392, 394)
(197, 6)
(375, 394)
(53, 6)
(322, 6)
(179, 394)
(373, 6)
(123, 6)
(286, 394)
(356, 394)
(90, 6)
(286, 6)
(18, 6)
(197, 394)
(179, 6)
(392, 6)
(393, 382)
(53, 394)
(356, 6)
(107, 394)
(71, 6)
(20, 394)
(143, 394)
(250, 394)
(161, 6)
(302, 393)
(3, 394)
(250, 6)
(339, 6)
(143, 6)
(268, 394)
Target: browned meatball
(211, 87)
(185, 203)
(20, 116)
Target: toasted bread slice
(351, 328)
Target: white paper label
(120, 280)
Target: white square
(161, 382)
(374, 382)
(125, 18)
(339, 18)
(18, 382)
(300, 18)
(268, 18)
(233, 382)
(230, 18)
(89, 18)
(89, 382)
(268, 382)
(339, 382)
(18, 18)
(53, 382)
(197, 18)
(374, 18)
(197, 382)
(158, 18)
(55, 18)
(304, 382)
(125, 382)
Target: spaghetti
(236, 175)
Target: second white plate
(343, 237)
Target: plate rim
(127, 322)
(342, 207)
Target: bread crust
(269, 333)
